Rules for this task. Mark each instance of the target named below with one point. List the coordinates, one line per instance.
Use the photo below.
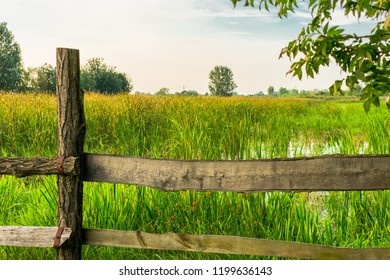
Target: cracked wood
(22, 167)
(325, 173)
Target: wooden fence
(73, 166)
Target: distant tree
(11, 69)
(363, 57)
(45, 78)
(305, 93)
(283, 91)
(270, 90)
(192, 92)
(188, 93)
(260, 93)
(26, 83)
(162, 91)
(221, 81)
(99, 77)
(39, 79)
(124, 82)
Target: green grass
(198, 128)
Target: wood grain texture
(326, 173)
(31, 236)
(227, 245)
(71, 135)
(21, 167)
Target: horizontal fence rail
(22, 167)
(222, 244)
(33, 236)
(227, 245)
(324, 173)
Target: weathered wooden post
(71, 134)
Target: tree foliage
(46, 78)
(190, 92)
(270, 90)
(97, 76)
(221, 81)
(10, 60)
(162, 91)
(42, 79)
(364, 58)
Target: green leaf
(334, 31)
(360, 75)
(367, 105)
(266, 5)
(368, 55)
(336, 87)
(298, 72)
(375, 100)
(332, 90)
(309, 71)
(351, 81)
(326, 27)
(312, 3)
(365, 94)
(323, 49)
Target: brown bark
(71, 134)
(22, 167)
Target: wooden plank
(326, 173)
(71, 135)
(227, 245)
(31, 236)
(21, 167)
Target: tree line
(221, 83)
(95, 75)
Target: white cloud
(339, 18)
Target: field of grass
(198, 128)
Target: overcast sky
(166, 43)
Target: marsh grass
(198, 128)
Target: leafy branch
(363, 58)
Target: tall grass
(198, 128)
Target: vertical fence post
(71, 134)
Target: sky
(168, 43)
